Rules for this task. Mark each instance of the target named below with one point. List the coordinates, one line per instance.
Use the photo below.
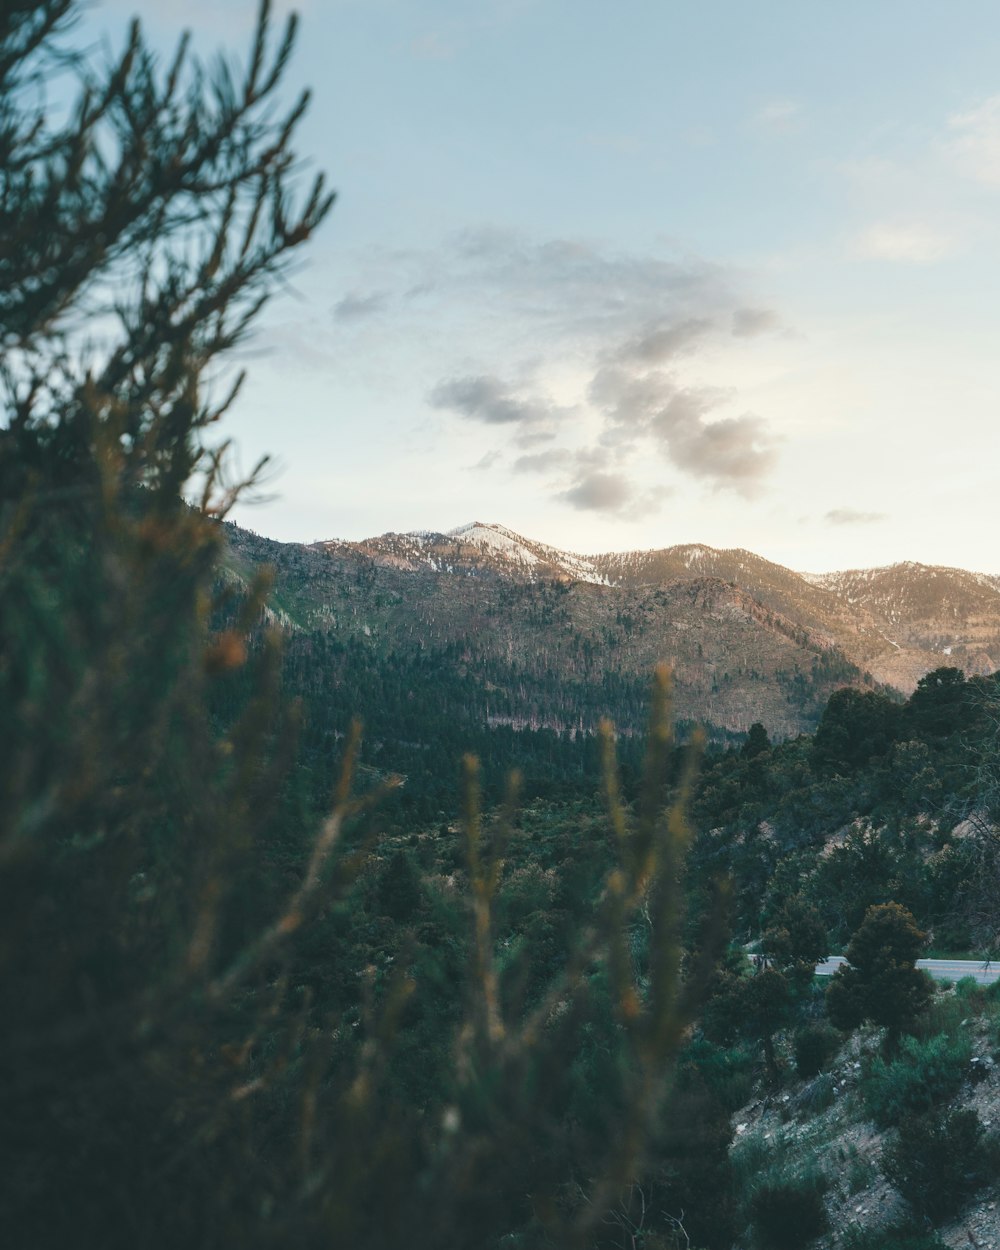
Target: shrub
(726, 1071)
(937, 1165)
(923, 1074)
(789, 1214)
(757, 1159)
(969, 989)
(815, 1045)
(859, 1172)
(815, 1096)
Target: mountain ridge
(895, 621)
(540, 637)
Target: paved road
(940, 969)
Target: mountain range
(549, 630)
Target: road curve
(981, 970)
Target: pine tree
(881, 982)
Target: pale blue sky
(637, 274)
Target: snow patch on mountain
(495, 538)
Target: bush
(938, 1165)
(788, 1214)
(969, 990)
(814, 1097)
(727, 1072)
(815, 1045)
(923, 1074)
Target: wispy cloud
(909, 243)
(491, 401)
(355, 305)
(591, 352)
(779, 117)
(434, 46)
(851, 516)
(613, 494)
(748, 323)
(600, 492)
(657, 344)
(975, 141)
(552, 459)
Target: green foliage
(938, 1165)
(756, 1005)
(816, 1095)
(880, 981)
(815, 1044)
(923, 1074)
(968, 990)
(757, 742)
(860, 1171)
(790, 1213)
(689, 1173)
(795, 941)
(399, 891)
(727, 1071)
(940, 705)
(856, 726)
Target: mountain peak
(498, 538)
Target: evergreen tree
(757, 741)
(856, 726)
(881, 981)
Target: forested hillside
(554, 653)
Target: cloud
(627, 399)
(488, 460)
(486, 399)
(905, 242)
(640, 410)
(734, 452)
(780, 117)
(850, 516)
(686, 410)
(656, 345)
(602, 492)
(612, 494)
(543, 461)
(355, 305)
(975, 141)
(590, 351)
(569, 287)
(748, 323)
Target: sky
(624, 276)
